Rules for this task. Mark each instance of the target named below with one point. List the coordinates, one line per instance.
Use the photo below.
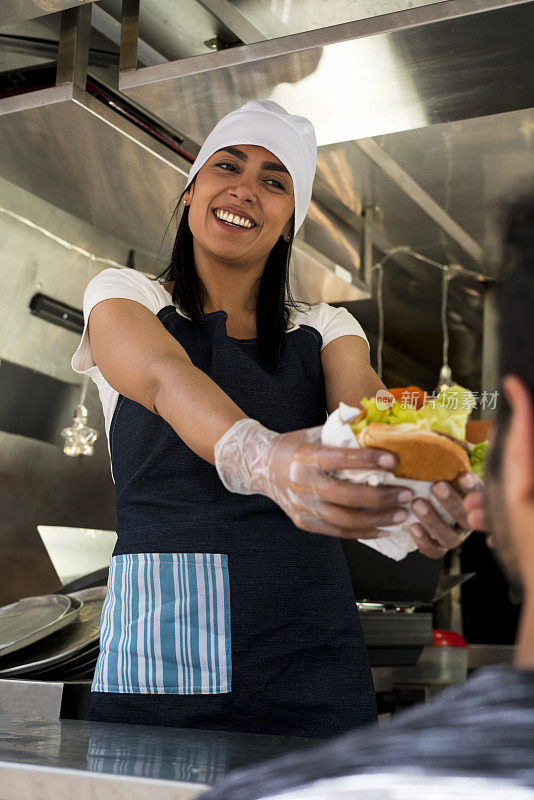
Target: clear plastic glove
(292, 469)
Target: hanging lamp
(79, 438)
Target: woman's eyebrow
(243, 156)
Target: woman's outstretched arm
(140, 359)
(348, 373)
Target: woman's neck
(240, 316)
(230, 286)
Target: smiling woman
(242, 187)
(222, 610)
(233, 246)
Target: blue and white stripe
(147, 755)
(165, 626)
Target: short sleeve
(334, 322)
(113, 283)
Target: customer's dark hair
(273, 309)
(515, 304)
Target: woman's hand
(320, 503)
(432, 534)
(292, 469)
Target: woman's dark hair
(272, 310)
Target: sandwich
(428, 434)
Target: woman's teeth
(239, 222)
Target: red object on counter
(448, 638)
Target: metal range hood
(73, 151)
(17, 10)
(90, 154)
(437, 63)
(360, 82)
(91, 162)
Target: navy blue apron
(220, 612)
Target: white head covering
(267, 124)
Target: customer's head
(510, 475)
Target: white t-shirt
(129, 284)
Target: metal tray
(81, 666)
(31, 619)
(86, 658)
(82, 634)
(65, 671)
(75, 608)
(97, 578)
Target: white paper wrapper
(399, 543)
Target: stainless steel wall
(38, 483)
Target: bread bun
(423, 455)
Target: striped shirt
(481, 730)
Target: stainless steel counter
(67, 759)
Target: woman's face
(254, 182)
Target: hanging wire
(444, 321)
(380, 300)
(447, 273)
(85, 384)
(380, 321)
(68, 245)
(480, 276)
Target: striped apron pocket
(165, 626)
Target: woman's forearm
(194, 405)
